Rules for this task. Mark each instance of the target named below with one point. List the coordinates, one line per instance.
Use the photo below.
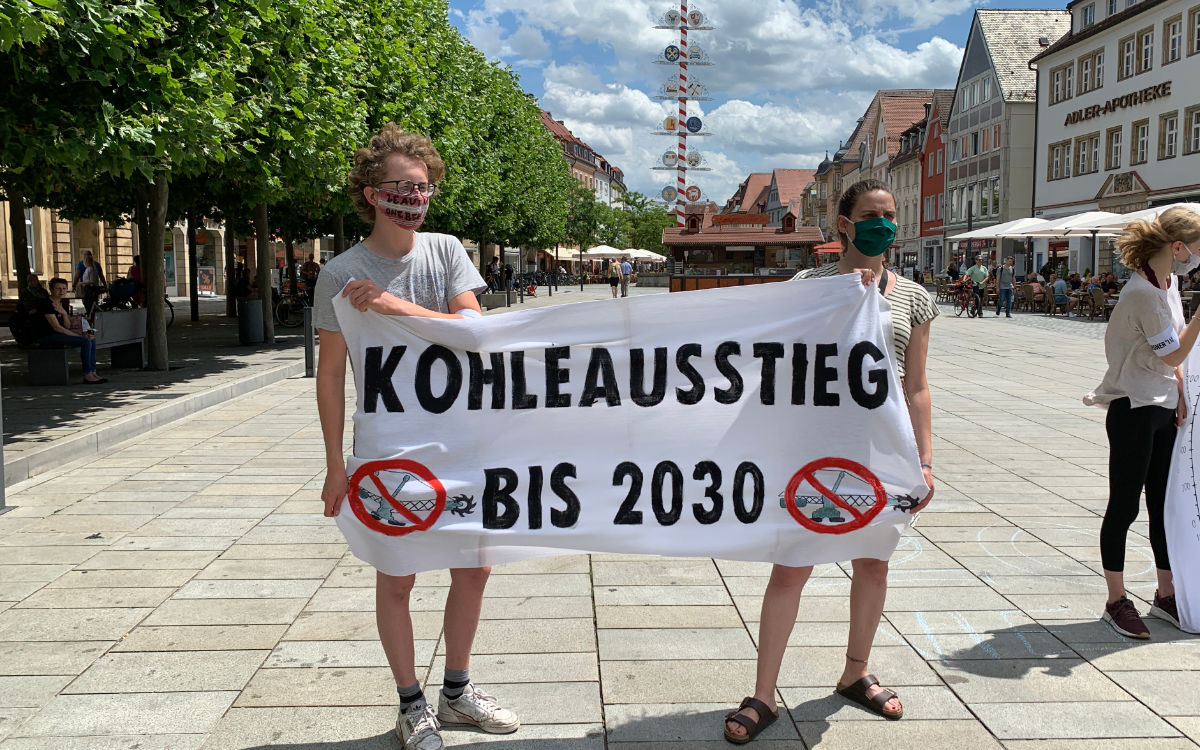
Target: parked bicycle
(966, 300)
(290, 306)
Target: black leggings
(1140, 442)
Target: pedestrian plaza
(181, 590)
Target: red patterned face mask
(405, 211)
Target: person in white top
(1145, 344)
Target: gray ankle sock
(454, 682)
(410, 696)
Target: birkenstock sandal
(766, 717)
(857, 692)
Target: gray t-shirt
(434, 272)
(1005, 277)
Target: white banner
(1182, 513)
(763, 423)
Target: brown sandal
(766, 717)
(857, 692)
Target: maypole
(680, 90)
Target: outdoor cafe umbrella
(1088, 222)
(999, 231)
(1119, 222)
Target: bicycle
(966, 300)
(289, 310)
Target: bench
(7, 308)
(489, 300)
(122, 332)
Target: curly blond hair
(1144, 238)
(370, 163)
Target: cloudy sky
(789, 77)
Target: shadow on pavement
(197, 350)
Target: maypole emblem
(669, 194)
(694, 124)
(671, 53)
(670, 158)
(692, 193)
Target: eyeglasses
(408, 187)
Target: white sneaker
(479, 709)
(419, 729)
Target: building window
(995, 195)
(1168, 135)
(1191, 117)
(1081, 156)
(31, 243)
(1140, 147)
(1145, 50)
(1194, 25)
(1113, 149)
(1085, 75)
(1099, 65)
(1059, 164)
(987, 88)
(953, 198)
(975, 143)
(996, 137)
(987, 139)
(1112, 8)
(1128, 47)
(1069, 81)
(1172, 39)
(1088, 15)
(1056, 87)
(941, 153)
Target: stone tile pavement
(181, 590)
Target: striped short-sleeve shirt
(911, 306)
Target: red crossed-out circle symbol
(808, 474)
(369, 472)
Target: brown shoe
(1124, 618)
(1164, 609)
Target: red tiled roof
(791, 183)
(558, 130)
(759, 204)
(743, 198)
(898, 113)
(679, 237)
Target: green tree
(647, 221)
(583, 216)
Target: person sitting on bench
(51, 323)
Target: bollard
(521, 292)
(309, 353)
(507, 295)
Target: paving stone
(533, 636)
(537, 607)
(57, 555)
(201, 638)
(86, 579)
(958, 598)
(662, 723)
(1060, 720)
(919, 701)
(897, 735)
(656, 573)
(539, 565)
(551, 702)
(320, 686)
(39, 573)
(820, 666)
(1134, 656)
(15, 591)
(242, 551)
(540, 736)
(550, 584)
(68, 624)
(1126, 743)
(168, 671)
(126, 713)
(11, 719)
(971, 622)
(94, 598)
(675, 643)
(1018, 645)
(692, 681)
(644, 595)
(339, 654)
(225, 612)
(500, 669)
(50, 657)
(1026, 681)
(1173, 696)
(30, 691)
(151, 560)
(252, 589)
(653, 616)
(109, 742)
(356, 626)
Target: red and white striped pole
(681, 164)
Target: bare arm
(331, 408)
(920, 407)
(57, 326)
(1187, 340)
(367, 295)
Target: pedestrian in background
(1005, 278)
(397, 270)
(89, 279)
(626, 272)
(614, 276)
(1145, 344)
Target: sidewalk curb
(92, 442)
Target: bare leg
(868, 592)
(1116, 584)
(1166, 582)
(394, 622)
(463, 606)
(781, 601)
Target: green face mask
(873, 236)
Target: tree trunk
(339, 235)
(20, 241)
(193, 267)
(230, 267)
(154, 275)
(264, 272)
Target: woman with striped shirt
(865, 224)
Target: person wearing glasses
(398, 270)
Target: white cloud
(789, 79)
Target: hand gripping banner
(760, 423)
(1181, 516)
